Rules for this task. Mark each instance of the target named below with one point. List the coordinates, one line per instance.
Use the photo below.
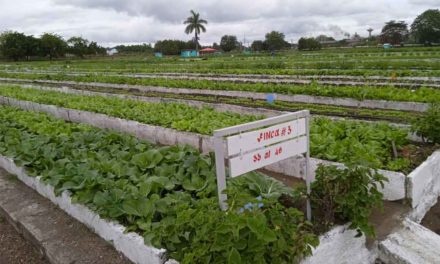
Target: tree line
(18, 46)
(424, 30)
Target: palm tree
(195, 23)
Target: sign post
(258, 144)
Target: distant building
(207, 51)
(112, 52)
(189, 53)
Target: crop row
(318, 109)
(272, 68)
(345, 63)
(425, 95)
(344, 141)
(404, 82)
(166, 194)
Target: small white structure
(112, 52)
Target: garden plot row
(242, 110)
(393, 190)
(355, 92)
(378, 82)
(113, 176)
(217, 106)
(420, 80)
(328, 250)
(310, 99)
(220, 107)
(367, 114)
(272, 68)
(324, 144)
(205, 120)
(379, 52)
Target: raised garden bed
(338, 233)
(244, 104)
(325, 133)
(115, 176)
(356, 93)
(341, 81)
(395, 189)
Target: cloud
(131, 21)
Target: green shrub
(346, 194)
(428, 127)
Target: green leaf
(257, 223)
(147, 160)
(234, 257)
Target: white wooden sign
(258, 144)
(267, 155)
(266, 136)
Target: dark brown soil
(432, 218)
(14, 249)
(417, 153)
(290, 181)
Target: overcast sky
(111, 22)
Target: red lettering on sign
(278, 151)
(267, 154)
(267, 135)
(256, 158)
(283, 132)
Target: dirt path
(432, 218)
(14, 249)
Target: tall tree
(228, 43)
(78, 46)
(95, 49)
(53, 45)
(258, 45)
(32, 47)
(394, 32)
(275, 40)
(13, 45)
(309, 44)
(172, 47)
(426, 27)
(195, 24)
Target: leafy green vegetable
(335, 140)
(361, 92)
(166, 194)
